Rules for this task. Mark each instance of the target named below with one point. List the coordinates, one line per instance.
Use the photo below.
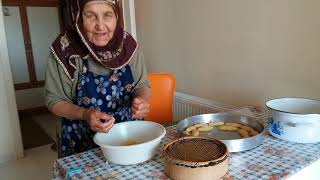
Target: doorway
(30, 27)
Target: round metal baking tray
(232, 139)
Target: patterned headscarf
(73, 44)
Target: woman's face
(99, 21)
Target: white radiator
(185, 105)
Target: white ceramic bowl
(146, 134)
(294, 119)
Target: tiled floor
(37, 164)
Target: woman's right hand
(93, 117)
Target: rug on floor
(32, 134)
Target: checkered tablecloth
(273, 159)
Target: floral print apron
(111, 94)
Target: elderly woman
(95, 76)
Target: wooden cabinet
(31, 26)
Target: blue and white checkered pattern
(273, 159)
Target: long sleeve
(58, 86)
(139, 71)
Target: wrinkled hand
(140, 108)
(93, 117)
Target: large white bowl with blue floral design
(294, 119)
(131, 142)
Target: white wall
(10, 136)
(237, 52)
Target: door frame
(22, 5)
(129, 17)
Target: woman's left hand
(140, 108)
